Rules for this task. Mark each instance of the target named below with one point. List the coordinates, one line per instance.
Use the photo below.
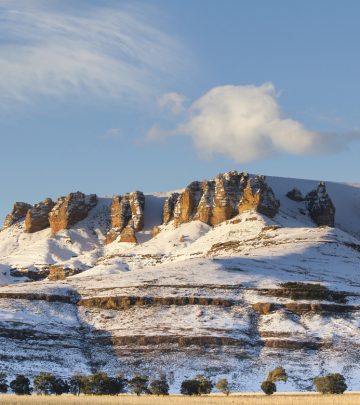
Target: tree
(139, 384)
(190, 387)
(77, 383)
(330, 384)
(278, 374)
(3, 383)
(21, 385)
(268, 387)
(159, 386)
(60, 386)
(205, 385)
(223, 386)
(47, 383)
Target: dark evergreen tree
(139, 384)
(21, 385)
(77, 383)
(159, 386)
(190, 387)
(3, 383)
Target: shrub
(139, 384)
(268, 387)
(159, 386)
(21, 385)
(3, 383)
(190, 387)
(223, 386)
(278, 374)
(330, 384)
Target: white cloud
(175, 102)
(47, 49)
(113, 133)
(245, 123)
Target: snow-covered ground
(235, 262)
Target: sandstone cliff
(218, 200)
(37, 217)
(18, 212)
(127, 217)
(70, 210)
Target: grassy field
(246, 399)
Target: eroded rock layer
(37, 217)
(70, 210)
(320, 207)
(18, 212)
(218, 200)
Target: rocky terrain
(227, 277)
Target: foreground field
(245, 399)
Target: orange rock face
(70, 210)
(18, 212)
(37, 217)
(128, 235)
(126, 212)
(221, 199)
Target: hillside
(187, 282)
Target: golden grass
(235, 399)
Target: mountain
(227, 277)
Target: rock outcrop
(127, 217)
(70, 210)
(37, 217)
(218, 200)
(18, 212)
(320, 207)
(295, 195)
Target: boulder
(37, 217)
(258, 196)
(70, 210)
(320, 207)
(126, 211)
(128, 235)
(295, 195)
(18, 212)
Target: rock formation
(320, 207)
(218, 200)
(37, 217)
(126, 212)
(70, 210)
(295, 195)
(18, 212)
(259, 196)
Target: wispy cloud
(175, 102)
(50, 50)
(245, 123)
(112, 133)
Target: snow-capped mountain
(228, 277)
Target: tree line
(101, 383)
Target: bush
(139, 385)
(190, 387)
(159, 386)
(268, 387)
(223, 386)
(21, 385)
(278, 374)
(330, 384)
(3, 383)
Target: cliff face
(218, 200)
(18, 212)
(127, 217)
(320, 207)
(37, 217)
(70, 210)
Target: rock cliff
(18, 212)
(320, 207)
(70, 210)
(218, 200)
(37, 217)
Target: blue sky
(113, 96)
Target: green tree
(223, 386)
(47, 383)
(268, 387)
(77, 383)
(330, 384)
(205, 384)
(190, 387)
(278, 374)
(3, 383)
(21, 385)
(159, 386)
(139, 384)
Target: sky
(110, 96)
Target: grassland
(246, 399)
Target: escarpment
(18, 212)
(218, 200)
(37, 217)
(70, 210)
(127, 217)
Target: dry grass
(245, 399)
